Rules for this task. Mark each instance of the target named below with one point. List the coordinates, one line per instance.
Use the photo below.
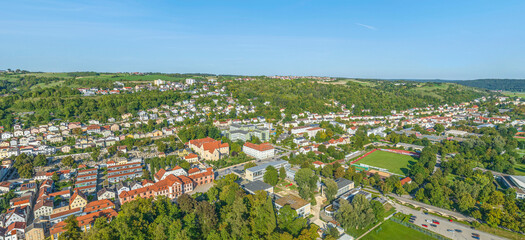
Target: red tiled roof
(160, 173)
(261, 147)
(98, 205)
(191, 155)
(74, 210)
(405, 180)
(84, 220)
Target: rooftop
(295, 202)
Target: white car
(428, 221)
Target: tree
(264, 221)
(288, 221)
(249, 165)
(68, 161)
(306, 181)
(95, 154)
(72, 229)
(271, 176)
(466, 202)
(339, 172)
(40, 160)
(439, 128)
(379, 209)
(186, 203)
(327, 171)
(55, 177)
(282, 173)
(330, 189)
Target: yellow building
(78, 200)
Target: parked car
(435, 221)
(424, 225)
(433, 225)
(428, 221)
(450, 220)
(450, 230)
(459, 230)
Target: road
(464, 233)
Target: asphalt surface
(444, 226)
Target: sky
(459, 39)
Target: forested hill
(367, 97)
(512, 85)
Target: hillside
(378, 98)
(511, 85)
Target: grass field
(514, 94)
(392, 230)
(395, 163)
(520, 169)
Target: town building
(257, 172)
(261, 151)
(209, 149)
(301, 206)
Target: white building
(261, 151)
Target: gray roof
(342, 182)
(256, 186)
(265, 165)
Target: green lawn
(395, 163)
(514, 94)
(520, 169)
(392, 230)
(521, 152)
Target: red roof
(98, 205)
(405, 180)
(191, 155)
(84, 220)
(261, 147)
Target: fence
(425, 231)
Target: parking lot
(448, 229)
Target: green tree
(40, 160)
(55, 177)
(288, 221)
(282, 173)
(330, 189)
(271, 176)
(249, 165)
(68, 161)
(72, 230)
(306, 181)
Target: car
(426, 213)
(424, 225)
(433, 225)
(450, 230)
(475, 234)
(435, 221)
(428, 221)
(450, 220)
(459, 230)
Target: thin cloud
(366, 26)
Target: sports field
(392, 230)
(395, 163)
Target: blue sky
(464, 39)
